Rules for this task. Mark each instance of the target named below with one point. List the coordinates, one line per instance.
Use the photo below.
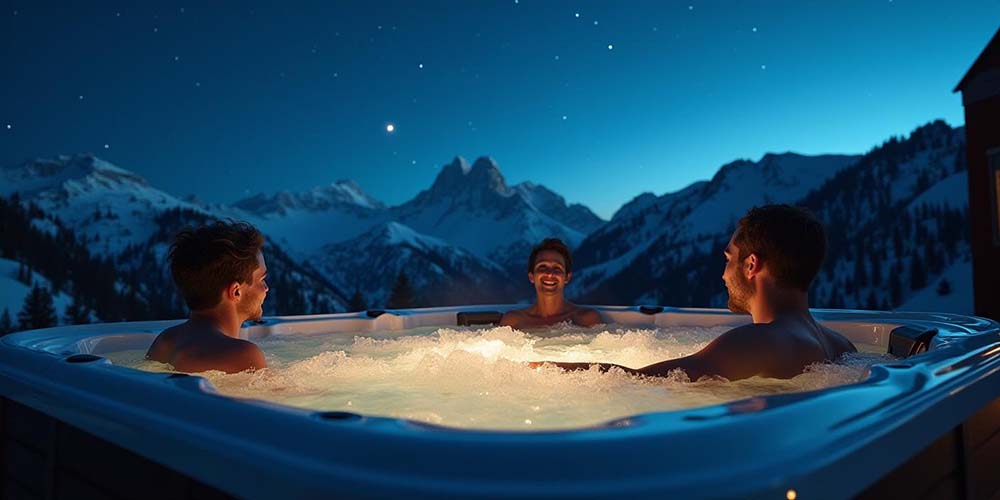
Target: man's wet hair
(206, 260)
(789, 240)
(554, 244)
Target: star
(690, 7)
(754, 29)
(197, 84)
(421, 65)
(763, 66)
(118, 14)
(557, 58)
(156, 30)
(177, 58)
(390, 128)
(413, 162)
(80, 98)
(564, 117)
(611, 47)
(576, 15)
(9, 126)
(107, 146)
(595, 23)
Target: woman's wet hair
(554, 244)
(206, 260)
(789, 241)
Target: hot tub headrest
(469, 318)
(906, 341)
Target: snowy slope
(445, 274)
(959, 300)
(951, 192)
(111, 206)
(13, 292)
(703, 209)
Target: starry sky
(599, 101)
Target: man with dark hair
(550, 267)
(221, 273)
(771, 260)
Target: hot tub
(76, 424)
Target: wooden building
(981, 97)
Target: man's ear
(751, 265)
(531, 277)
(234, 291)
(569, 276)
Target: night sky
(599, 101)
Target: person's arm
(735, 355)
(740, 353)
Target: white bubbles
(480, 378)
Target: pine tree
(76, 313)
(944, 287)
(895, 288)
(918, 275)
(5, 324)
(37, 311)
(402, 293)
(357, 302)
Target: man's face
(549, 274)
(252, 302)
(739, 287)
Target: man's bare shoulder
(585, 316)
(513, 318)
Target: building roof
(989, 58)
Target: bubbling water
(480, 378)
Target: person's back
(192, 347)
(221, 274)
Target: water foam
(480, 378)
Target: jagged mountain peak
(483, 174)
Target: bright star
(754, 29)
(9, 126)
(611, 47)
(577, 14)
(107, 146)
(421, 65)
(390, 128)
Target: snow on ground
(959, 301)
(13, 292)
(952, 192)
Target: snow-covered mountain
(442, 273)
(110, 206)
(305, 222)
(895, 218)
(693, 215)
(473, 207)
